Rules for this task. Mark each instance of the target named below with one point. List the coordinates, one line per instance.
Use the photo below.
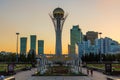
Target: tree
(23, 58)
(31, 56)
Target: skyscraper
(23, 45)
(58, 19)
(91, 35)
(33, 42)
(76, 36)
(40, 47)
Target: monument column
(58, 20)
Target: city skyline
(31, 17)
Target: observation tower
(58, 18)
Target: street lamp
(100, 33)
(17, 47)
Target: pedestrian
(91, 71)
(87, 71)
(2, 77)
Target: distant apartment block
(91, 35)
(40, 47)
(23, 45)
(33, 42)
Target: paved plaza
(26, 75)
(61, 78)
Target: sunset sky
(30, 17)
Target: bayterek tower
(58, 18)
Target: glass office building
(23, 45)
(40, 47)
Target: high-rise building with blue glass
(76, 36)
(23, 45)
(33, 42)
(40, 47)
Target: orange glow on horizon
(31, 17)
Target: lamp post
(17, 47)
(100, 33)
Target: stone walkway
(96, 75)
(99, 76)
(26, 75)
(60, 78)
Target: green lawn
(115, 67)
(21, 66)
(3, 67)
(98, 66)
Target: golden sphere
(58, 13)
